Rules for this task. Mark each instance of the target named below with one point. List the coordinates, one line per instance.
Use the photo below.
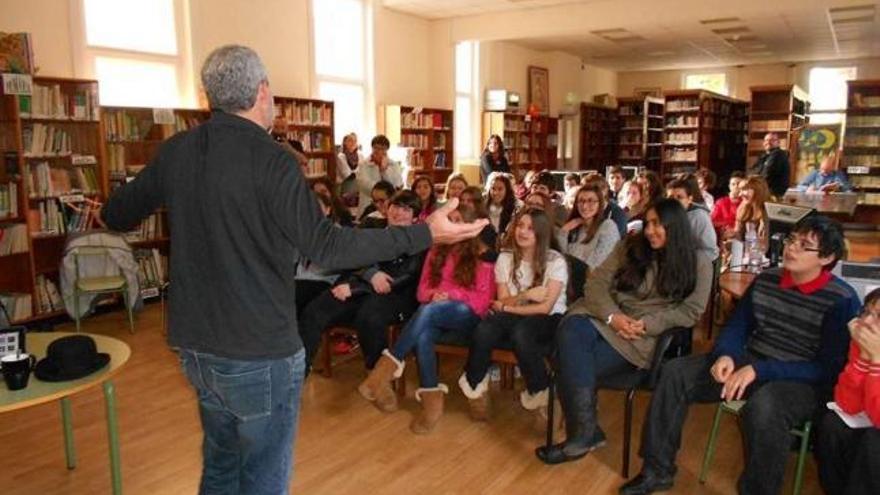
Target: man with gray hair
(241, 211)
(773, 165)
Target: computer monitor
(782, 218)
(863, 277)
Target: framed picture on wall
(642, 92)
(539, 89)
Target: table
(40, 392)
(839, 205)
(735, 283)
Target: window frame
(838, 115)
(473, 95)
(85, 55)
(726, 74)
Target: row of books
(122, 125)
(152, 268)
(421, 120)
(44, 180)
(184, 123)
(13, 239)
(865, 101)
(851, 160)
(18, 305)
(683, 120)
(316, 167)
(682, 105)
(853, 139)
(50, 102)
(53, 217)
(116, 160)
(48, 297)
(871, 181)
(677, 138)
(151, 228)
(313, 141)
(46, 140)
(418, 141)
(769, 125)
(8, 200)
(680, 154)
(863, 121)
(304, 113)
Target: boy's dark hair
(545, 178)
(871, 298)
(739, 174)
(572, 176)
(828, 232)
(708, 177)
(385, 186)
(381, 140)
(407, 199)
(688, 182)
(616, 169)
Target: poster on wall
(814, 142)
(539, 90)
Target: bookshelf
(599, 136)
(311, 123)
(427, 133)
(132, 136)
(532, 143)
(640, 136)
(53, 163)
(703, 129)
(861, 145)
(782, 109)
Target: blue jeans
(249, 412)
(584, 355)
(422, 331)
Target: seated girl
(849, 458)
(653, 281)
(456, 290)
(530, 278)
(455, 184)
(754, 193)
(686, 191)
(501, 202)
(339, 213)
(369, 299)
(423, 186)
(634, 201)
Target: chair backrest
(577, 278)
(81, 252)
(673, 343)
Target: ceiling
(775, 31)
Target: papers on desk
(860, 420)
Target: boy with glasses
(781, 350)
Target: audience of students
(685, 190)
(423, 187)
(455, 184)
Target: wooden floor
(344, 446)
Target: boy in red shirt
(724, 211)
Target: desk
(40, 392)
(838, 205)
(736, 283)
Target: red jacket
(724, 213)
(858, 387)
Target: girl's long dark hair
(501, 150)
(432, 199)
(676, 262)
(508, 206)
(468, 252)
(654, 186)
(339, 214)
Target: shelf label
(858, 170)
(83, 159)
(163, 116)
(72, 198)
(18, 84)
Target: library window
(466, 83)
(341, 41)
(716, 82)
(137, 51)
(828, 93)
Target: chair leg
(802, 458)
(627, 428)
(76, 310)
(326, 355)
(128, 308)
(551, 398)
(710, 447)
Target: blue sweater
(787, 334)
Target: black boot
(581, 432)
(646, 482)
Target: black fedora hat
(69, 358)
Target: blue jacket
(817, 179)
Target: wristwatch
(610, 317)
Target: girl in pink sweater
(456, 290)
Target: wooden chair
(109, 284)
(674, 342)
(326, 351)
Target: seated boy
(781, 351)
(372, 298)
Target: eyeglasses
(798, 244)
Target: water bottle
(752, 250)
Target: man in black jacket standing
(773, 165)
(241, 212)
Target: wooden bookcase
(532, 143)
(782, 109)
(53, 150)
(703, 129)
(311, 123)
(640, 135)
(132, 136)
(861, 146)
(599, 136)
(428, 134)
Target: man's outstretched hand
(443, 231)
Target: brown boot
(376, 388)
(432, 408)
(478, 398)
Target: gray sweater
(704, 231)
(592, 253)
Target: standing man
(773, 165)
(242, 212)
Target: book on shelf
(422, 120)
(862, 140)
(17, 304)
(56, 217)
(152, 267)
(44, 180)
(48, 297)
(440, 159)
(184, 123)
(48, 101)
(316, 167)
(13, 239)
(417, 141)
(123, 125)
(312, 141)
(8, 200)
(45, 140)
(304, 113)
(151, 228)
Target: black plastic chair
(674, 342)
